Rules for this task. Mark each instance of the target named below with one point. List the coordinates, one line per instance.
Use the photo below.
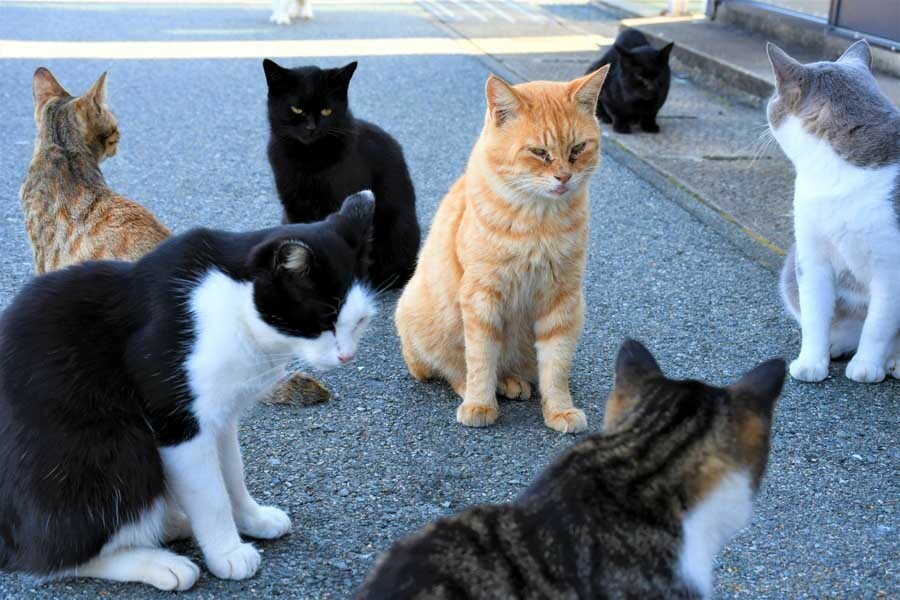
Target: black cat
(637, 84)
(320, 154)
(121, 386)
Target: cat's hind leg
(160, 568)
(844, 337)
(132, 553)
(306, 11)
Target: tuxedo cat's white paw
(171, 573)
(809, 371)
(266, 523)
(238, 563)
(865, 371)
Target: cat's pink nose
(563, 177)
(345, 358)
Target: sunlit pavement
(385, 456)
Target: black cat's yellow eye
(539, 152)
(296, 111)
(326, 112)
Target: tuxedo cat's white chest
(235, 357)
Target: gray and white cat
(841, 281)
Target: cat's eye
(326, 112)
(575, 151)
(296, 111)
(539, 152)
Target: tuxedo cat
(320, 154)
(121, 386)
(638, 82)
(639, 511)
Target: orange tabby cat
(70, 213)
(496, 302)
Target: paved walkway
(386, 456)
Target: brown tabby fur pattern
(496, 304)
(70, 214)
(616, 515)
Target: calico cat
(638, 82)
(70, 213)
(841, 281)
(121, 386)
(320, 153)
(496, 303)
(639, 511)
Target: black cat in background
(637, 84)
(320, 154)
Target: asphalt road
(385, 455)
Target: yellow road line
(180, 49)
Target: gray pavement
(385, 456)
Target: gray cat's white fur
(841, 281)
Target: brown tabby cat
(496, 303)
(639, 511)
(70, 214)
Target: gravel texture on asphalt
(385, 455)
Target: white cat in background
(841, 281)
(284, 11)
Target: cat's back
(71, 221)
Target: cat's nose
(563, 177)
(345, 358)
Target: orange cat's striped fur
(70, 214)
(496, 303)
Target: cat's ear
(45, 87)
(786, 69)
(274, 72)
(665, 51)
(759, 389)
(859, 52)
(97, 94)
(634, 366)
(293, 256)
(354, 221)
(281, 256)
(585, 91)
(341, 77)
(502, 99)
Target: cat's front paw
(169, 572)
(476, 415)
(809, 371)
(650, 127)
(570, 420)
(238, 563)
(306, 12)
(514, 388)
(865, 371)
(280, 19)
(266, 523)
